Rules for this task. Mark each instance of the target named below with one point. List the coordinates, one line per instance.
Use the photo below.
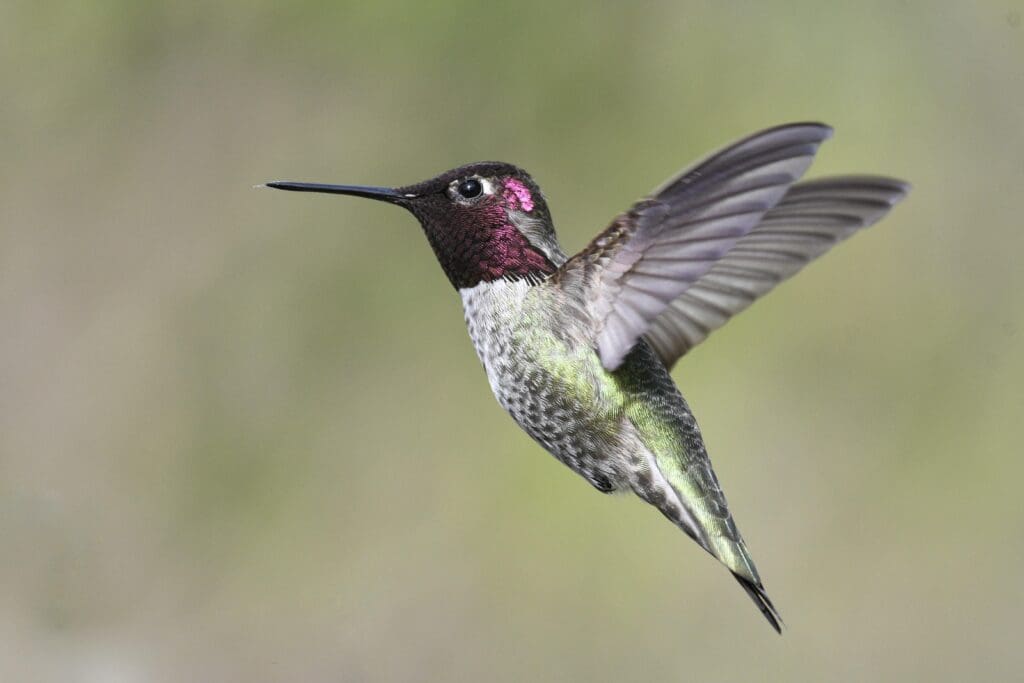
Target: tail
(760, 598)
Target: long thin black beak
(384, 194)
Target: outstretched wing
(812, 218)
(627, 277)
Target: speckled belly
(548, 378)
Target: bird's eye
(470, 188)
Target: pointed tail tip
(760, 598)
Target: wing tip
(901, 188)
(824, 131)
(882, 188)
(824, 127)
(812, 133)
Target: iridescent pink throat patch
(516, 192)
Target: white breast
(493, 310)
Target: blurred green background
(244, 436)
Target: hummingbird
(578, 349)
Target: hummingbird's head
(486, 221)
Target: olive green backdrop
(244, 436)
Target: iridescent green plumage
(578, 349)
(628, 429)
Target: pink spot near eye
(521, 193)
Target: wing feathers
(813, 217)
(715, 238)
(650, 255)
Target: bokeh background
(244, 436)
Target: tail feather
(760, 598)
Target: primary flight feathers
(716, 237)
